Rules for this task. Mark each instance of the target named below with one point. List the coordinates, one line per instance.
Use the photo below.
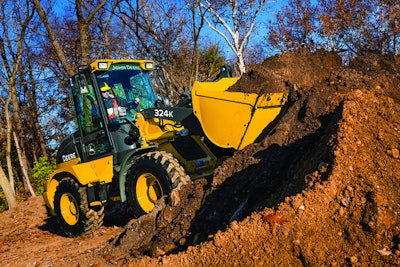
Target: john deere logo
(91, 149)
(68, 157)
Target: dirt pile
(278, 73)
(320, 189)
(272, 179)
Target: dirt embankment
(320, 189)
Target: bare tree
(85, 14)
(197, 23)
(350, 27)
(294, 27)
(83, 8)
(234, 20)
(342, 23)
(15, 19)
(109, 39)
(394, 24)
(31, 110)
(159, 31)
(381, 34)
(53, 38)
(69, 40)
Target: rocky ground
(320, 189)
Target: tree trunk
(84, 40)
(7, 189)
(24, 166)
(8, 143)
(84, 32)
(42, 142)
(196, 33)
(240, 63)
(17, 132)
(52, 37)
(34, 114)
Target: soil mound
(277, 73)
(314, 189)
(321, 189)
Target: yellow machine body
(233, 119)
(155, 131)
(160, 132)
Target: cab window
(86, 107)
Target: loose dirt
(320, 189)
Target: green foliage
(211, 60)
(41, 172)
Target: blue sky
(270, 9)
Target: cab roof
(104, 64)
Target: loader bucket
(233, 119)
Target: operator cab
(106, 96)
(129, 86)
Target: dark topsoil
(321, 189)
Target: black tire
(73, 213)
(152, 176)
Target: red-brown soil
(321, 189)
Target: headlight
(149, 65)
(102, 65)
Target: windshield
(128, 87)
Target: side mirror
(226, 72)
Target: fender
(96, 171)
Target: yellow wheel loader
(129, 146)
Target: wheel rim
(148, 191)
(69, 209)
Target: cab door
(94, 139)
